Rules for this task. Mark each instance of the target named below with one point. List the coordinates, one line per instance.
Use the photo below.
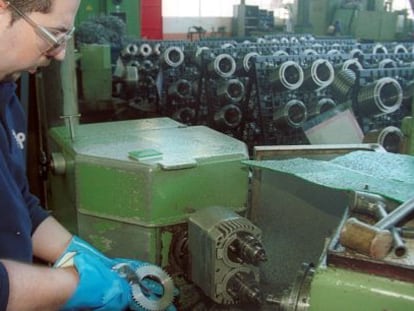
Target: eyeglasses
(56, 43)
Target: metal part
(173, 56)
(185, 115)
(217, 238)
(142, 293)
(223, 66)
(356, 53)
(352, 64)
(58, 163)
(130, 50)
(379, 49)
(387, 63)
(298, 299)
(145, 49)
(396, 215)
(247, 249)
(231, 90)
(162, 278)
(390, 137)
(181, 88)
(247, 60)
(228, 116)
(319, 75)
(244, 288)
(288, 76)
(384, 96)
(293, 114)
(322, 105)
(72, 122)
(343, 84)
(400, 49)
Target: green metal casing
(376, 25)
(126, 206)
(130, 11)
(344, 290)
(408, 130)
(96, 73)
(320, 15)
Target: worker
(76, 276)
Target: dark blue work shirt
(20, 213)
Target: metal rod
(396, 215)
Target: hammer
(375, 241)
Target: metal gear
(140, 293)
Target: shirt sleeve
(37, 213)
(4, 287)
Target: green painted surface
(408, 130)
(123, 204)
(131, 10)
(376, 25)
(388, 174)
(96, 62)
(345, 290)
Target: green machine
(364, 20)
(127, 185)
(165, 193)
(128, 11)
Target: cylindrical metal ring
(180, 88)
(390, 138)
(319, 75)
(310, 52)
(387, 63)
(229, 116)
(288, 76)
(280, 53)
(173, 56)
(231, 90)
(145, 49)
(400, 49)
(352, 64)
(247, 60)
(157, 49)
(323, 105)
(130, 50)
(379, 49)
(184, 115)
(384, 96)
(223, 65)
(293, 114)
(356, 53)
(333, 52)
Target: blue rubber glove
(99, 288)
(152, 289)
(77, 245)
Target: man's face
(27, 49)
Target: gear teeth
(165, 282)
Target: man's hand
(153, 289)
(99, 288)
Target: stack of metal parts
(262, 90)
